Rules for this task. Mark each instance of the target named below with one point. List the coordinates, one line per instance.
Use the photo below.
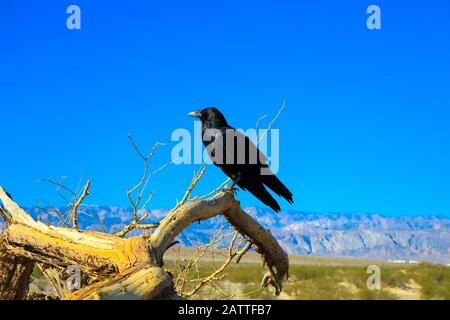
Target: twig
(72, 205)
(280, 111)
(259, 121)
(194, 182)
(243, 252)
(139, 189)
(217, 190)
(77, 204)
(215, 276)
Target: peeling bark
(15, 275)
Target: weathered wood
(15, 275)
(130, 268)
(143, 282)
(96, 254)
(224, 203)
(54, 276)
(274, 256)
(178, 220)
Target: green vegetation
(434, 280)
(311, 278)
(421, 281)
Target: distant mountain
(332, 234)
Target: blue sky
(366, 127)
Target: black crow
(239, 158)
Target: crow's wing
(231, 146)
(278, 187)
(260, 192)
(238, 155)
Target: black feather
(260, 192)
(278, 187)
(247, 174)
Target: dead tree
(120, 267)
(123, 268)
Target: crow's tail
(278, 187)
(260, 192)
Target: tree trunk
(15, 275)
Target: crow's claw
(232, 188)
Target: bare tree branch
(217, 274)
(139, 189)
(194, 182)
(280, 111)
(223, 203)
(77, 204)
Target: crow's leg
(235, 180)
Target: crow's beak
(195, 114)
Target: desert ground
(316, 278)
